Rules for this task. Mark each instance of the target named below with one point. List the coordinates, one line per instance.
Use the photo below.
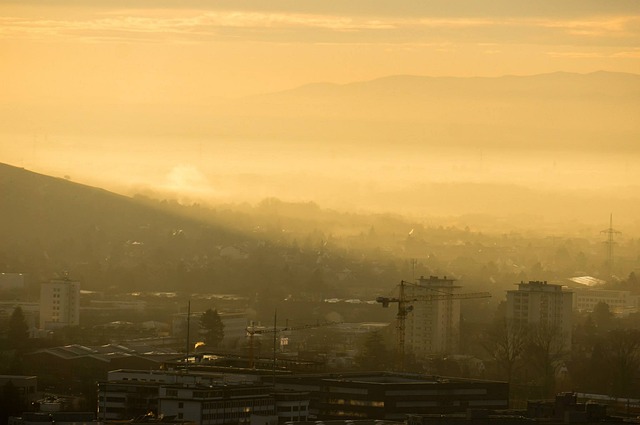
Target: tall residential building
(433, 326)
(59, 304)
(541, 304)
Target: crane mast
(405, 307)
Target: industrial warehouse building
(391, 396)
(217, 398)
(200, 397)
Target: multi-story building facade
(541, 304)
(59, 304)
(239, 396)
(220, 404)
(620, 302)
(433, 325)
(391, 396)
(199, 397)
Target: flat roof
(386, 378)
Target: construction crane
(251, 331)
(405, 307)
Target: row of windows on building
(349, 402)
(597, 300)
(294, 418)
(226, 416)
(237, 404)
(220, 393)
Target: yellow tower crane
(405, 307)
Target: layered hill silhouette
(559, 110)
(541, 111)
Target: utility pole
(275, 335)
(610, 233)
(186, 359)
(414, 262)
(252, 331)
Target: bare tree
(505, 342)
(623, 355)
(545, 350)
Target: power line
(610, 233)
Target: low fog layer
(560, 147)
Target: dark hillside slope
(49, 225)
(116, 243)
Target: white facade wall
(619, 302)
(59, 304)
(539, 303)
(433, 326)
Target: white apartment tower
(540, 303)
(59, 304)
(433, 326)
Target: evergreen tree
(18, 330)
(212, 328)
(373, 354)
(11, 403)
(602, 316)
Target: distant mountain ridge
(565, 110)
(561, 110)
(627, 80)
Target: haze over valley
(250, 211)
(560, 147)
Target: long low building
(621, 303)
(224, 397)
(73, 366)
(200, 397)
(391, 396)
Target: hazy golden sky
(124, 95)
(149, 51)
